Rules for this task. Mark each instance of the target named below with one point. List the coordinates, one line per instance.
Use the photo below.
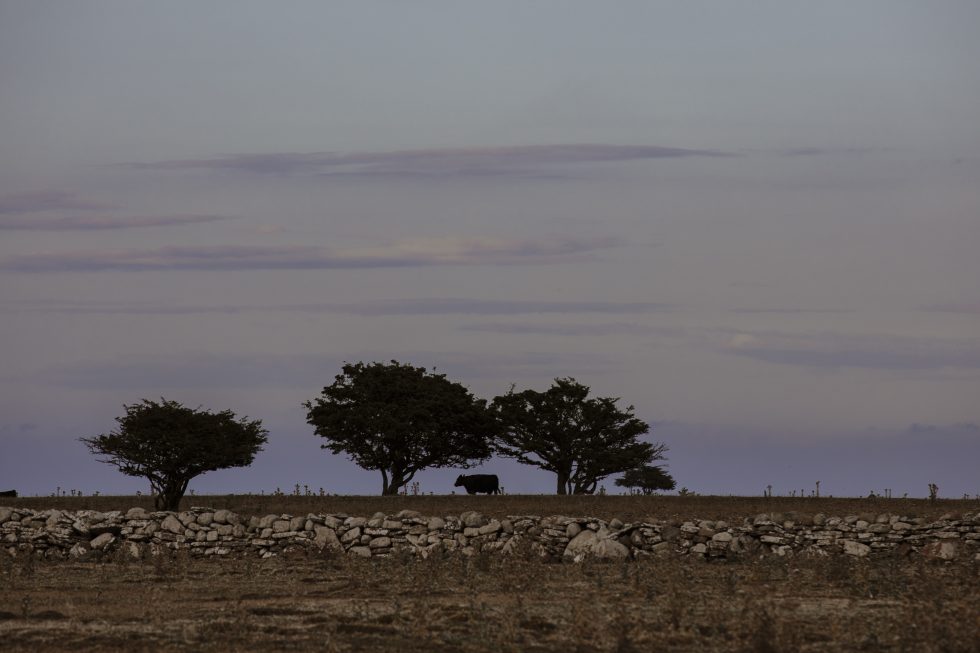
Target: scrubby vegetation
(488, 603)
(334, 602)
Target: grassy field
(491, 603)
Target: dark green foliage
(400, 419)
(647, 479)
(169, 444)
(562, 430)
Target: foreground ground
(490, 603)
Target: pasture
(334, 602)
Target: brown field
(489, 602)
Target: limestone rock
(942, 550)
(172, 525)
(326, 537)
(472, 519)
(101, 542)
(581, 545)
(352, 535)
(436, 523)
(856, 548)
(227, 517)
(610, 549)
(492, 527)
(136, 513)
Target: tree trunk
(562, 483)
(390, 487)
(170, 493)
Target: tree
(581, 440)
(169, 444)
(647, 479)
(399, 419)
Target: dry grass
(491, 602)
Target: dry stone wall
(207, 532)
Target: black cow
(476, 483)
(9, 493)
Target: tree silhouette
(647, 479)
(169, 444)
(399, 419)
(562, 430)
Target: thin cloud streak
(789, 311)
(99, 223)
(825, 151)
(48, 200)
(573, 330)
(197, 370)
(961, 309)
(450, 162)
(868, 352)
(407, 307)
(408, 253)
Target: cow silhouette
(477, 483)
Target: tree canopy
(169, 444)
(399, 419)
(582, 440)
(647, 479)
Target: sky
(755, 222)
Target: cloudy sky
(757, 222)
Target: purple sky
(757, 223)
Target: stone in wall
(208, 532)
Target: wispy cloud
(146, 375)
(870, 352)
(573, 329)
(458, 306)
(789, 311)
(824, 151)
(407, 253)
(48, 200)
(97, 223)
(963, 309)
(408, 307)
(450, 162)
